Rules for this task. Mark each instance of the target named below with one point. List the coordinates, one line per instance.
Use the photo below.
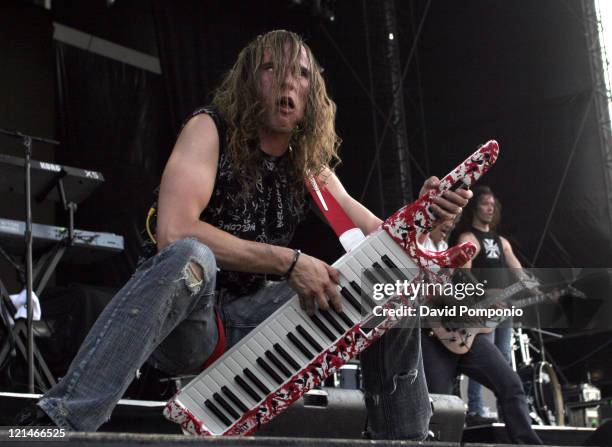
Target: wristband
(296, 255)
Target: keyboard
(78, 183)
(88, 246)
(292, 352)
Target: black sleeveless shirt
(269, 215)
(490, 263)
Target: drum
(544, 395)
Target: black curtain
(113, 119)
(520, 73)
(199, 41)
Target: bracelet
(296, 256)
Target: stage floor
(140, 423)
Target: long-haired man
(231, 196)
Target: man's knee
(511, 387)
(199, 267)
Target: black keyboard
(87, 246)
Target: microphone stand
(27, 144)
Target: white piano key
(228, 374)
(297, 355)
(260, 352)
(194, 401)
(218, 382)
(303, 319)
(267, 341)
(207, 388)
(259, 372)
(355, 273)
(348, 309)
(401, 256)
(280, 335)
(380, 249)
(236, 369)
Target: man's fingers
(322, 302)
(447, 206)
(333, 273)
(467, 194)
(440, 213)
(455, 198)
(309, 305)
(432, 182)
(334, 297)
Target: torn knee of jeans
(407, 375)
(193, 275)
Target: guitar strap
(343, 226)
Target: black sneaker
(32, 416)
(473, 419)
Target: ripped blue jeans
(165, 315)
(396, 396)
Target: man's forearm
(233, 253)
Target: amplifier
(340, 413)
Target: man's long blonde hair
(314, 143)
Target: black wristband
(296, 255)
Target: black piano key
(258, 383)
(351, 299)
(246, 387)
(267, 368)
(212, 407)
(382, 272)
(389, 263)
(275, 360)
(362, 295)
(370, 276)
(284, 354)
(226, 406)
(332, 321)
(346, 319)
(311, 341)
(234, 399)
(356, 288)
(323, 328)
(298, 344)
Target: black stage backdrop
(520, 73)
(517, 72)
(113, 119)
(27, 104)
(200, 40)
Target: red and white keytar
(292, 352)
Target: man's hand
(315, 283)
(450, 204)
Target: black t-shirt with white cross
(490, 263)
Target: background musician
(483, 362)
(494, 263)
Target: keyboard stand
(16, 340)
(47, 262)
(41, 273)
